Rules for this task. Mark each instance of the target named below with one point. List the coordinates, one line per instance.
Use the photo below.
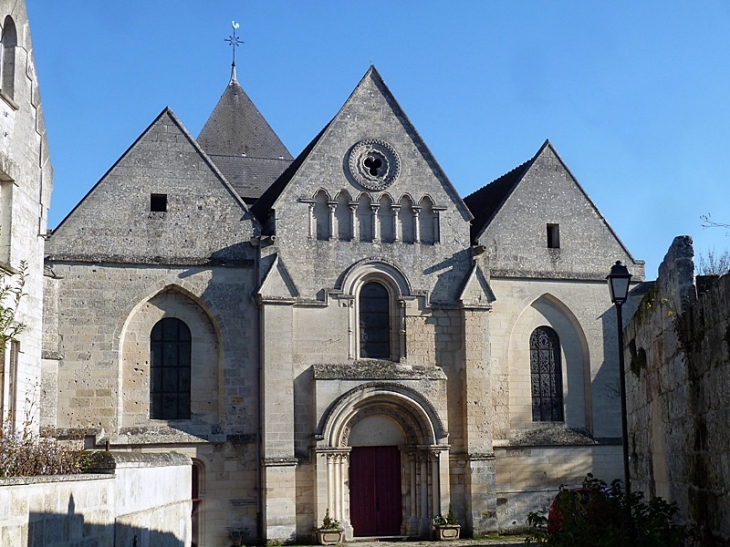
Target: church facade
(338, 331)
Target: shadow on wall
(72, 530)
(605, 384)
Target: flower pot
(446, 532)
(330, 536)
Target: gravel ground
(491, 542)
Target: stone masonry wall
(678, 377)
(25, 188)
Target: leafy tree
(11, 292)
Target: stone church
(337, 331)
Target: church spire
(234, 41)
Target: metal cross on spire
(234, 41)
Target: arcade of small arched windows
(367, 219)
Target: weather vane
(234, 41)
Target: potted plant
(446, 527)
(331, 532)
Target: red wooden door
(375, 491)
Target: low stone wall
(678, 380)
(529, 477)
(129, 495)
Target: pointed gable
(476, 292)
(537, 221)
(371, 112)
(367, 186)
(277, 283)
(163, 201)
(242, 144)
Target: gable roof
(485, 202)
(262, 207)
(242, 144)
(166, 112)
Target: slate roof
(250, 176)
(242, 144)
(263, 205)
(485, 202)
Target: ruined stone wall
(678, 376)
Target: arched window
(385, 219)
(427, 221)
(343, 217)
(546, 376)
(9, 42)
(364, 218)
(374, 306)
(322, 215)
(405, 219)
(170, 370)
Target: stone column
(333, 207)
(353, 222)
(312, 228)
(396, 224)
(416, 224)
(332, 465)
(376, 224)
(424, 512)
(401, 324)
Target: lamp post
(618, 286)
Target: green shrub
(597, 515)
(328, 523)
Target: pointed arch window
(374, 306)
(170, 351)
(9, 42)
(546, 376)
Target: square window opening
(553, 236)
(158, 202)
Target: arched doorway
(375, 477)
(382, 462)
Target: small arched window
(322, 215)
(9, 42)
(170, 349)
(546, 376)
(374, 306)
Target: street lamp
(618, 286)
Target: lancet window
(170, 368)
(546, 376)
(9, 43)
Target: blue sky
(635, 96)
